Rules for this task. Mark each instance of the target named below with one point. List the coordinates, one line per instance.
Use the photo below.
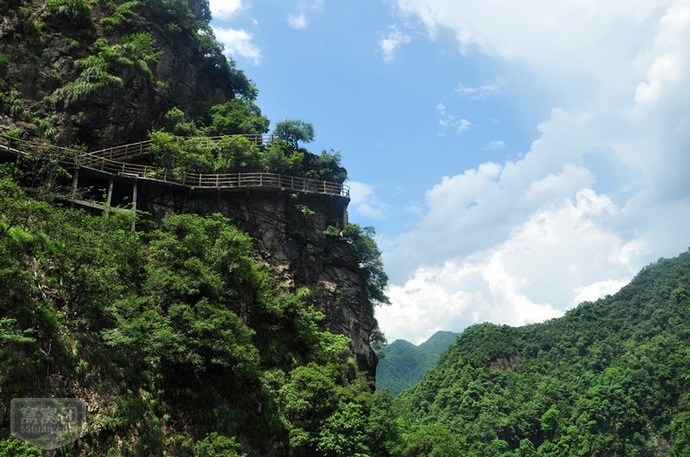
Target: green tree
(433, 440)
(237, 154)
(292, 131)
(236, 116)
(370, 264)
(216, 445)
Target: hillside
(103, 73)
(608, 378)
(402, 364)
(208, 321)
(178, 338)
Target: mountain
(438, 343)
(608, 378)
(401, 363)
(103, 73)
(194, 317)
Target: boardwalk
(119, 161)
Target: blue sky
(515, 158)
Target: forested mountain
(609, 378)
(227, 322)
(401, 363)
(213, 322)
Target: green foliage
(12, 447)
(370, 263)
(123, 13)
(166, 149)
(237, 154)
(193, 341)
(234, 154)
(101, 70)
(609, 378)
(177, 123)
(8, 334)
(401, 364)
(76, 13)
(93, 76)
(292, 131)
(141, 49)
(237, 115)
(4, 63)
(328, 167)
(434, 440)
(215, 445)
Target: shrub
(75, 12)
(94, 76)
(4, 63)
(215, 445)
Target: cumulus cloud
(602, 191)
(238, 43)
(225, 9)
(365, 201)
(391, 41)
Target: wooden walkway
(116, 161)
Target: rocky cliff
(289, 234)
(104, 73)
(98, 74)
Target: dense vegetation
(609, 378)
(240, 154)
(177, 338)
(182, 342)
(99, 73)
(402, 364)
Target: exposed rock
(294, 245)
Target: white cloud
(238, 43)
(297, 21)
(481, 92)
(225, 9)
(553, 257)
(391, 41)
(449, 121)
(495, 145)
(365, 201)
(597, 290)
(603, 190)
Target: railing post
(109, 198)
(75, 182)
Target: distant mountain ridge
(402, 364)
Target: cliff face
(288, 231)
(99, 74)
(104, 73)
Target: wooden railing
(203, 180)
(143, 148)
